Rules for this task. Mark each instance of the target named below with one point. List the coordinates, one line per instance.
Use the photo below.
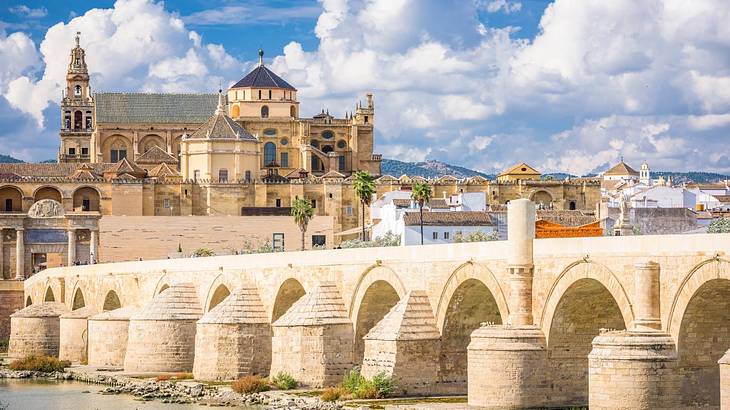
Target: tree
(302, 212)
(721, 225)
(422, 194)
(364, 185)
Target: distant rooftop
(154, 107)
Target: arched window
(341, 144)
(118, 151)
(269, 94)
(222, 175)
(269, 153)
(265, 112)
(235, 111)
(572, 205)
(293, 111)
(77, 90)
(78, 120)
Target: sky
(564, 85)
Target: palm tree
(364, 185)
(302, 212)
(422, 194)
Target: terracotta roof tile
(154, 107)
(449, 218)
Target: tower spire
(78, 35)
(220, 109)
(261, 56)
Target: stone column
(2, 255)
(507, 363)
(636, 368)
(19, 254)
(646, 297)
(71, 246)
(724, 363)
(94, 246)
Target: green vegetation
(721, 225)
(476, 236)
(389, 239)
(421, 194)
(302, 212)
(250, 384)
(356, 386)
(284, 381)
(202, 252)
(4, 345)
(364, 186)
(40, 363)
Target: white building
(443, 227)
(664, 197)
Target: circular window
(270, 132)
(328, 135)
(524, 169)
(341, 144)
(284, 141)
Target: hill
(7, 159)
(428, 169)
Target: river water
(68, 395)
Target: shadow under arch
(28, 301)
(289, 292)
(370, 275)
(584, 269)
(111, 301)
(78, 299)
(49, 296)
(218, 290)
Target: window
(8, 205)
(77, 90)
(342, 162)
(78, 120)
(265, 112)
(341, 144)
(348, 210)
(366, 119)
(85, 204)
(84, 151)
(319, 240)
(277, 242)
(278, 202)
(435, 235)
(329, 195)
(222, 175)
(269, 153)
(248, 176)
(270, 132)
(259, 94)
(284, 141)
(328, 135)
(572, 205)
(196, 175)
(166, 203)
(118, 155)
(269, 94)
(293, 111)
(285, 159)
(446, 235)
(72, 151)
(67, 120)
(314, 203)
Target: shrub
(203, 252)
(40, 363)
(284, 381)
(380, 386)
(333, 394)
(4, 345)
(352, 380)
(250, 384)
(476, 236)
(384, 384)
(721, 225)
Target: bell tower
(77, 107)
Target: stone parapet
(506, 367)
(633, 370)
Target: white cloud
(25, 11)
(250, 13)
(506, 6)
(479, 143)
(406, 153)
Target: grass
(250, 384)
(4, 345)
(174, 377)
(356, 386)
(284, 381)
(40, 363)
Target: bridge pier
(73, 345)
(507, 364)
(636, 368)
(36, 330)
(724, 364)
(108, 335)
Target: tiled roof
(449, 218)
(410, 319)
(221, 126)
(436, 203)
(333, 174)
(155, 155)
(125, 166)
(621, 169)
(163, 170)
(154, 108)
(517, 169)
(48, 169)
(402, 202)
(567, 218)
(262, 77)
(84, 172)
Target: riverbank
(175, 392)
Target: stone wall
(11, 300)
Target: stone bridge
(530, 309)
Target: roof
(156, 155)
(449, 218)
(262, 77)
(221, 126)
(84, 172)
(410, 319)
(621, 169)
(567, 218)
(522, 169)
(241, 306)
(321, 306)
(163, 170)
(54, 170)
(435, 203)
(45, 309)
(154, 107)
(125, 166)
(178, 302)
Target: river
(20, 394)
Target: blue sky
(564, 85)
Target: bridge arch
(111, 301)
(378, 289)
(699, 320)
(289, 292)
(49, 296)
(78, 300)
(218, 290)
(470, 296)
(585, 298)
(51, 291)
(28, 301)
(162, 284)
